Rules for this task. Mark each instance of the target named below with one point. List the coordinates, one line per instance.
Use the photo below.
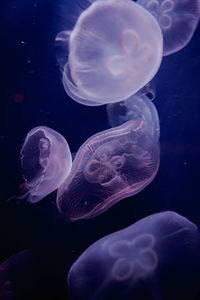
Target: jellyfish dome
(108, 167)
(178, 20)
(46, 162)
(155, 258)
(115, 49)
(137, 107)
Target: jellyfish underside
(111, 56)
(46, 162)
(109, 166)
(177, 19)
(135, 263)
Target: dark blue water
(33, 95)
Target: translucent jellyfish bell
(178, 20)
(155, 258)
(109, 166)
(135, 108)
(46, 162)
(115, 49)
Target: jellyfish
(109, 166)
(155, 258)
(16, 276)
(177, 19)
(148, 90)
(135, 108)
(46, 162)
(115, 49)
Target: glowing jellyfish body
(115, 49)
(109, 166)
(178, 20)
(46, 162)
(135, 108)
(155, 258)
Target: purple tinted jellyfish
(135, 108)
(109, 166)
(16, 275)
(155, 258)
(46, 162)
(177, 19)
(115, 49)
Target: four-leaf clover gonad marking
(161, 12)
(135, 258)
(130, 63)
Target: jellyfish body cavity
(135, 108)
(115, 49)
(46, 162)
(177, 19)
(147, 260)
(109, 166)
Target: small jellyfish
(109, 166)
(155, 258)
(115, 49)
(46, 162)
(178, 20)
(135, 108)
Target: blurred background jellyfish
(151, 259)
(177, 19)
(109, 166)
(17, 276)
(115, 49)
(135, 108)
(46, 162)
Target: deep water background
(32, 94)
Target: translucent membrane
(178, 20)
(108, 167)
(135, 108)
(115, 49)
(150, 259)
(46, 162)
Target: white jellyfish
(46, 162)
(115, 49)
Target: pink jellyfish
(108, 167)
